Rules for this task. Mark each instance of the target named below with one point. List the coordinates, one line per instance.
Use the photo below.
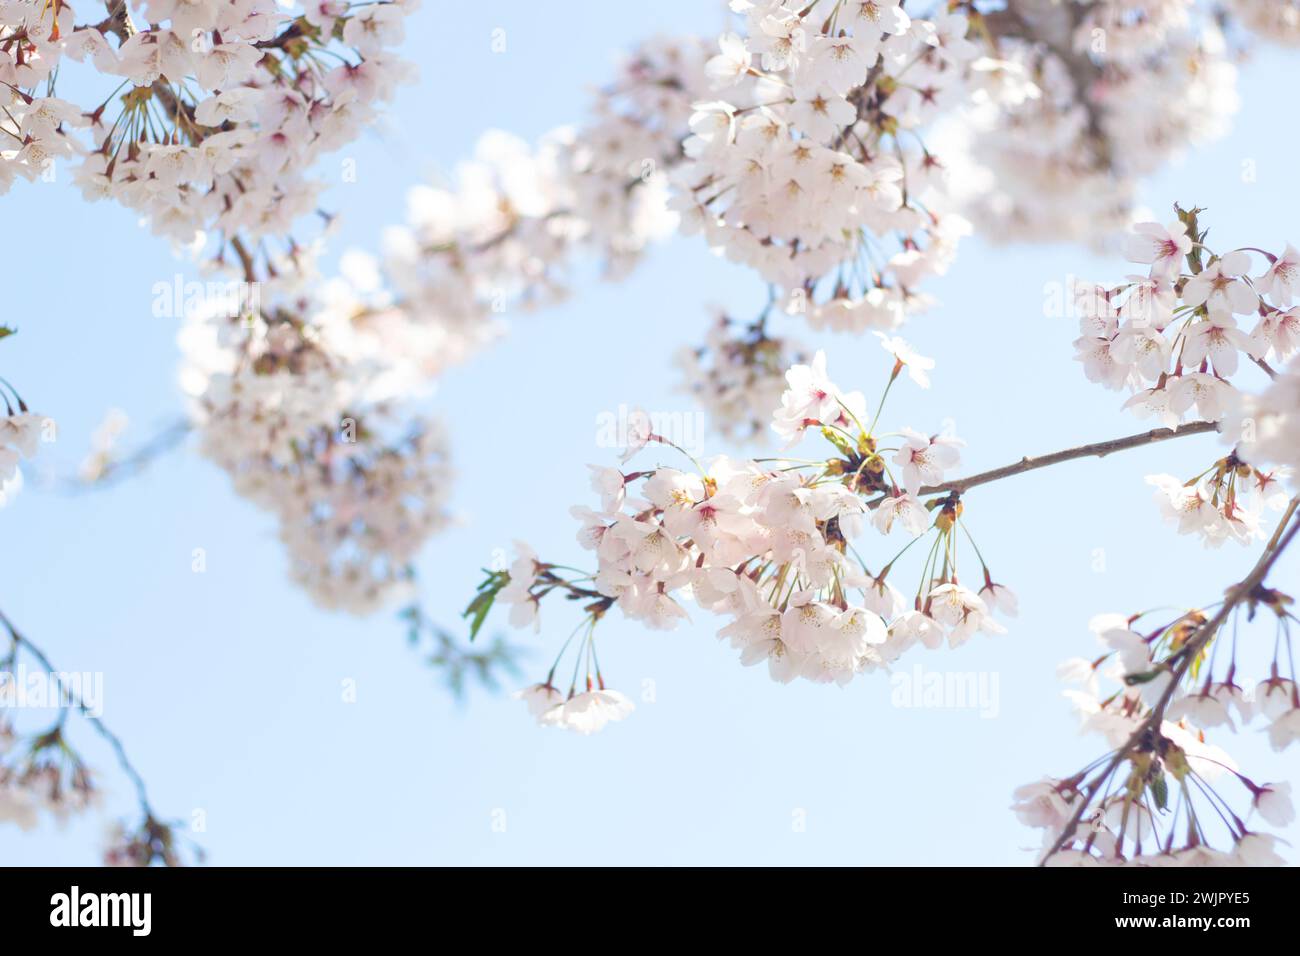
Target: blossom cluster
(505, 233)
(1168, 799)
(1226, 502)
(807, 166)
(1095, 95)
(769, 545)
(41, 775)
(1172, 337)
(148, 843)
(213, 112)
(295, 402)
(738, 375)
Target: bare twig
(137, 781)
(138, 461)
(1095, 450)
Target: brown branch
(245, 259)
(1282, 537)
(1095, 450)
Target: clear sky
(227, 686)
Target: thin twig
(116, 470)
(113, 740)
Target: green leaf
(478, 609)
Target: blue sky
(227, 685)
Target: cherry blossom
(300, 414)
(924, 459)
(767, 545)
(1193, 356)
(1273, 802)
(224, 113)
(810, 110)
(1160, 247)
(904, 355)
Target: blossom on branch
(769, 544)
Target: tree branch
(1282, 537)
(137, 781)
(1095, 450)
(116, 470)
